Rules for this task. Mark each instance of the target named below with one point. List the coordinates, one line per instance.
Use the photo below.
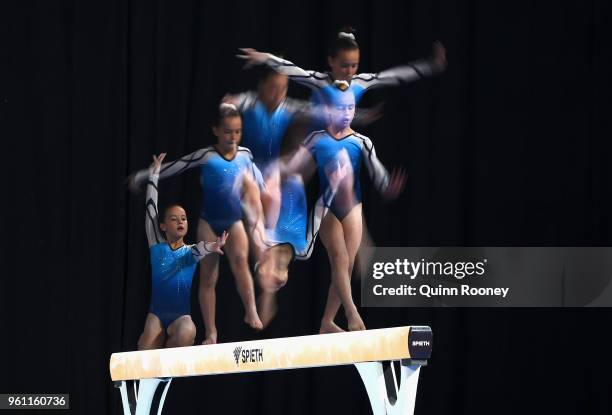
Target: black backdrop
(508, 147)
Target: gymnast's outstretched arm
(242, 101)
(312, 79)
(413, 71)
(201, 249)
(154, 235)
(172, 168)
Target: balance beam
(411, 345)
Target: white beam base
(373, 378)
(143, 401)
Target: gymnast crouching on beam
(173, 264)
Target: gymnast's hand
(253, 57)
(338, 169)
(156, 165)
(438, 58)
(134, 185)
(216, 246)
(397, 182)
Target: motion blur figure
(295, 232)
(291, 231)
(173, 264)
(341, 230)
(228, 175)
(267, 115)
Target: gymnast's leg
(271, 197)
(209, 274)
(153, 336)
(237, 248)
(353, 232)
(272, 275)
(251, 200)
(341, 239)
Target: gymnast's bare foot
(266, 307)
(210, 338)
(252, 319)
(355, 323)
(329, 327)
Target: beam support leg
(374, 380)
(146, 392)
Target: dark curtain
(508, 147)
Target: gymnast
(343, 60)
(173, 264)
(341, 230)
(227, 174)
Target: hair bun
(227, 106)
(347, 35)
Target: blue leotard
(292, 221)
(263, 132)
(324, 149)
(172, 273)
(295, 226)
(220, 178)
(221, 181)
(172, 270)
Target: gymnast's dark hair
(166, 208)
(263, 72)
(344, 39)
(225, 110)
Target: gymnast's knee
(185, 332)
(340, 260)
(150, 340)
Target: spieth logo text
(247, 355)
(420, 343)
